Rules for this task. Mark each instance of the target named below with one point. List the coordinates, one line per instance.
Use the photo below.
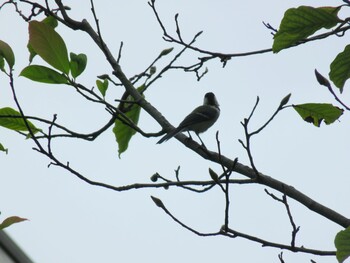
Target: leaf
(102, 86)
(342, 243)
(13, 120)
(299, 23)
(11, 220)
(49, 45)
(122, 132)
(317, 112)
(2, 63)
(43, 74)
(7, 53)
(340, 68)
(77, 64)
(50, 21)
(32, 53)
(3, 149)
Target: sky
(71, 221)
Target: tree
(51, 132)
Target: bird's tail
(169, 135)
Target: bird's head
(210, 99)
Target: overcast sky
(71, 221)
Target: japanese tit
(199, 120)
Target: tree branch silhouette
(228, 165)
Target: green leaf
(102, 86)
(7, 53)
(77, 64)
(2, 63)
(122, 132)
(12, 119)
(49, 45)
(342, 243)
(340, 68)
(43, 74)
(32, 53)
(50, 21)
(11, 220)
(317, 112)
(3, 149)
(299, 23)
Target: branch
(291, 220)
(323, 81)
(227, 173)
(224, 57)
(225, 231)
(233, 234)
(248, 134)
(69, 133)
(204, 153)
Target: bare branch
(233, 234)
(280, 257)
(181, 223)
(251, 173)
(323, 81)
(228, 232)
(291, 220)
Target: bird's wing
(193, 121)
(201, 114)
(169, 135)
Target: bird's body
(199, 120)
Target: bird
(199, 120)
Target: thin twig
(280, 257)
(49, 136)
(284, 200)
(234, 234)
(324, 81)
(161, 205)
(120, 52)
(226, 188)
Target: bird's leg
(189, 135)
(201, 141)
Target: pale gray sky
(71, 221)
